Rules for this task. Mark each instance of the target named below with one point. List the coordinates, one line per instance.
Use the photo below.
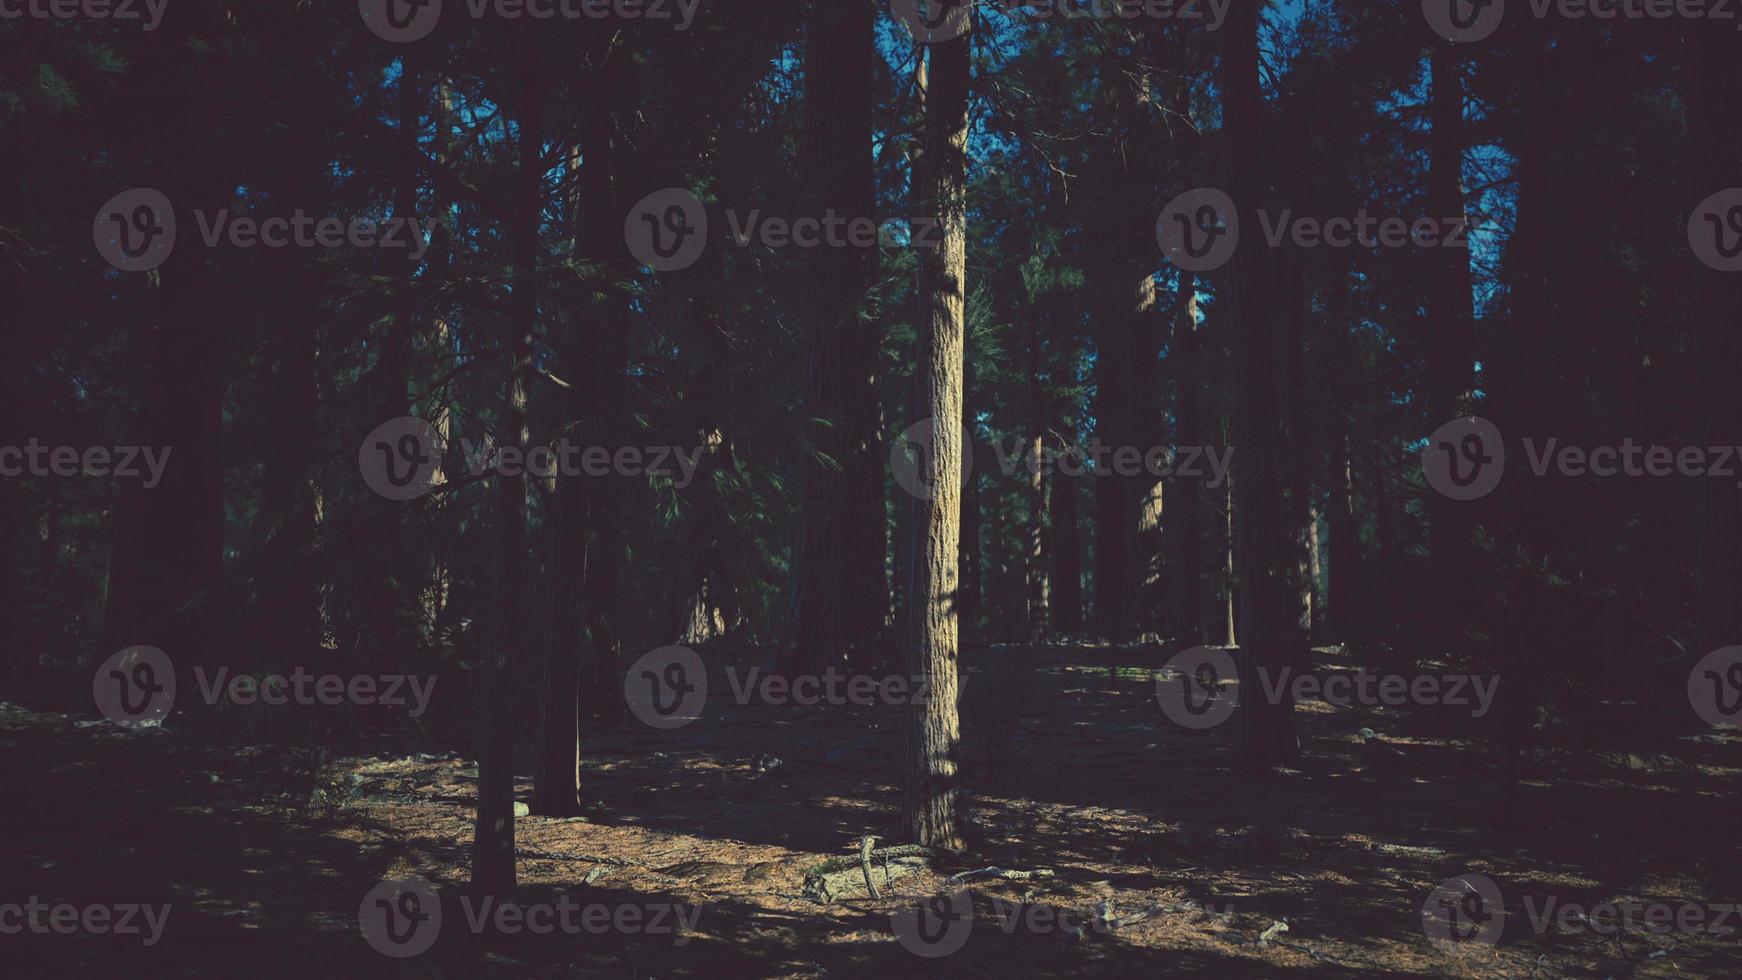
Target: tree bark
(1714, 118)
(1451, 327)
(840, 592)
(493, 865)
(1185, 522)
(933, 803)
(1268, 621)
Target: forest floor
(1129, 812)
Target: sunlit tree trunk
(933, 805)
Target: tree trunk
(973, 585)
(840, 598)
(493, 866)
(1063, 504)
(1037, 569)
(1451, 328)
(1714, 120)
(1268, 621)
(1185, 524)
(933, 801)
(581, 554)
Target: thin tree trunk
(933, 804)
(1063, 504)
(493, 866)
(578, 557)
(1036, 565)
(1185, 522)
(1451, 329)
(840, 600)
(1714, 121)
(1268, 620)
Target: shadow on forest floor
(1129, 812)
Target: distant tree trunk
(1301, 445)
(1225, 606)
(1145, 597)
(1451, 325)
(1185, 524)
(581, 550)
(840, 599)
(1112, 496)
(289, 603)
(1714, 124)
(1063, 504)
(1345, 589)
(933, 804)
(168, 541)
(973, 586)
(1037, 568)
(1346, 593)
(702, 613)
(1268, 620)
(493, 866)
